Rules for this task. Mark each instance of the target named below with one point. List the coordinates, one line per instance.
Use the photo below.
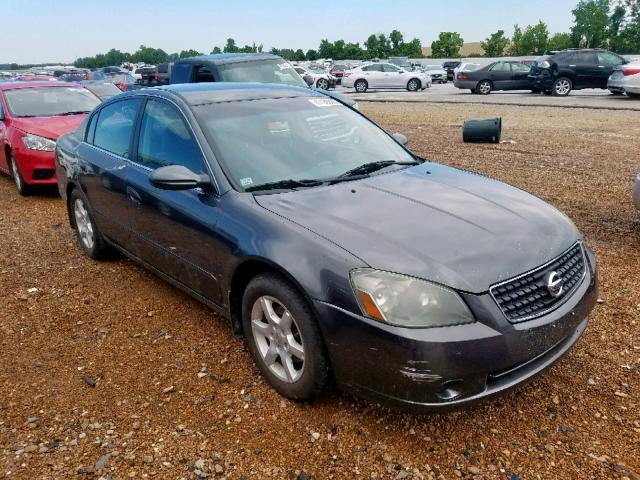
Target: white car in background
(320, 79)
(437, 73)
(625, 79)
(465, 67)
(384, 76)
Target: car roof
(220, 92)
(44, 83)
(229, 57)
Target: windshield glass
(104, 89)
(263, 71)
(270, 140)
(49, 101)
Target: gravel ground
(108, 372)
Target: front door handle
(133, 196)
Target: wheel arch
(243, 274)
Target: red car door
(3, 136)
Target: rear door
(174, 231)
(105, 154)
(373, 75)
(500, 75)
(585, 66)
(607, 61)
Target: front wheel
(561, 87)
(284, 338)
(413, 85)
(322, 83)
(18, 179)
(484, 87)
(361, 86)
(87, 231)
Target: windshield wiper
(288, 184)
(367, 168)
(79, 112)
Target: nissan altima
(338, 254)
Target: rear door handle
(134, 197)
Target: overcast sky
(38, 31)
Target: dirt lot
(106, 371)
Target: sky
(39, 31)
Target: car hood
(49, 127)
(456, 228)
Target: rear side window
(390, 68)
(582, 58)
(165, 139)
(203, 74)
(181, 73)
(519, 67)
(609, 59)
(114, 126)
(373, 68)
(501, 67)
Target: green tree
(326, 49)
(189, 53)
(591, 23)
(353, 51)
(532, 41)
(299, 55)
(495, 44)
(397, 41)
(560, 41)
(372, 46)
(448, 45)
(230, 46)
(311, 55)
(152, 56)
(413, 49)
(384, 46)
(216, 50)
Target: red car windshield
(49, 101)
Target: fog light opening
(449, 390)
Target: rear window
(261, 71)
(181, 73)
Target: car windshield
(261, 71)
(303, 138)
(49, 101)
(103, 89)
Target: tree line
(612, 24)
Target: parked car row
(384, 75)
(557, 73)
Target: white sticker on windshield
(324, 102)
(283, 66)
(245, 182)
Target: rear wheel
(18, 179)
(413, 85)
(322, 83)
(90, 238)
(284, 338)
(561, 87)
(484, 87)
(361, 86)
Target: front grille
(43, 173)
(527, 296)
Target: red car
(32, 117)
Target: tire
(361, 86)
(323, 84)
(89, 236)
(484, 87)
(23, 188)
(561, 87)
(413, 85)
(290, 355)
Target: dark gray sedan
(334, 250)
(507, 75)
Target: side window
(501, 67)
(203, 74)
(586, 58)
(165, 139)
(299, 70)
(181, 73)
(520, 67)
(373, 68)
(91, 129)
(388, 68)
(608, 58)
(114, 126)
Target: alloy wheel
(84, 225)
(484, 88)
(562, 87)
(413, 85)
(323, 84)
(361, 86)
(278, 339)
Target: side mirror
(178, 177)
(400, 138)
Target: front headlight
(407, 301)
(35, 142)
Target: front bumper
(636, 193)
(434, 369)
(37, 167)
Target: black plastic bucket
(482, 130)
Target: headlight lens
(35, 142)
(544, 64)
(406, 301)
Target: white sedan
(626, 79)
(383, 76)
(316, 78)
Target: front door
(105, 153)
(174, 231)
